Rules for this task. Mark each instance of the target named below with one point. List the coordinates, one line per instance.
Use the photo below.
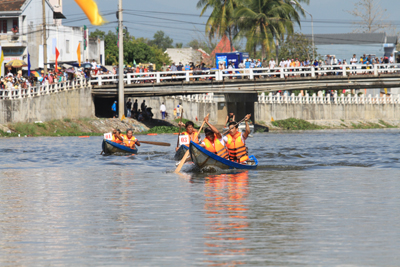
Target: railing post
(187, 75)
(376, 70)
(344, 70)
(282, 74)
(47, 88)
(158, 80)
(312, 71)
(251, 74)
(129, 78)
(100, 81)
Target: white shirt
(391, 59)
(272, 64)
(353, 61)
(282, 64)
(163, 108)
(225, 139)
(94, 65)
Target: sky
(180, 19)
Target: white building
(21, 30)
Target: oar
(227, 131)
(155, 143)
(178, 169)
(177, 142)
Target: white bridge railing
(39, 90)
(219, 75)
(203, 98)
(314, 99)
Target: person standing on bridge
(163, 109)
(114, 109)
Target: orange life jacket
(115, 139)
(129, 142)
(236, 148)
(216, 147)
(195, 137)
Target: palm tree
(260, 21)
(221, 20)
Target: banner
(78, 52)
(57, 55)
(91, 10)
(29, 64)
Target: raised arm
(215, 130)
(247, 132)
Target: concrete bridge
(246, 81)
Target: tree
(263, 20)
(371, 15)
(97, 34)
(297, 46)
(161, 40)
(221, 20)
(178, 45)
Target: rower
(129, 140)
(190, 131)
(235, 142)
(116, 136)
(229, 118)
(213, 141)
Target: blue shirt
(247, 64)
(114, 107)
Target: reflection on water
(321, 198)
(226, 212)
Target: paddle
(180, 127)
(183, 160)
(227, 131)
(155, 143)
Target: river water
(317, 199)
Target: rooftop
(11, 5)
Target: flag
(29, 64)
(91, 10)
(123, 117)
(85, 37)
(134, 62)
(2, 57)
(57, 55)
(78, 52)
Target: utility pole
(121, 95)
(44, 38)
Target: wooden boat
(110, 147)
(203, 158)
(180, 152)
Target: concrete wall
(67, 104)
(191, 109)
(264, 112)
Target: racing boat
(110, 147)
(180, 152)
(203, 158)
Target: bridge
(249, 80)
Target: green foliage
(25, 128)
(67, 120)
(161, 41)
(297, 46)
(97, 34)
(41, 125)
(163, 129)
(387, 125)
(186, 120)
(296, 124)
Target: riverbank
(293, 124)
(71, 127)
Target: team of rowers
(231, 146)
(125, 139)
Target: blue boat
(203, 158)
(110, 147)
(180, 152)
